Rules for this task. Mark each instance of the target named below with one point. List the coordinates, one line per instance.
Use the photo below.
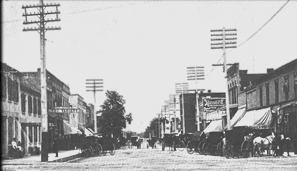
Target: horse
(260, 144)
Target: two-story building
(77, 119)
(238, 81)
(10, 107)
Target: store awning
(259, 119)
(237, 117)
(214, 126)
(70, 130)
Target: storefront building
(278, 91)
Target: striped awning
(258, 119)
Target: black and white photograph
(141, 85)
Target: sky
(142, 48)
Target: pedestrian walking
(287, 144)
(282, 143)
(56, 146)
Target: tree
(152, 129)
(113, 118)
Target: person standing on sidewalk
(56, 146)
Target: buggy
(196, 142)
(238, 141)
(169, 140)
(213, 144)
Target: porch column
(27, 138)
(38, 135)
(33, 135)
(13, 128)
(4, 136)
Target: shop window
(30, 105)
(35, 133)
(3, 80)
(23, 102)
(30, 134)
(276, 89)
(286, 88)
(261, 95)
(267, 93)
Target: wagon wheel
(199, 148)
(220, 148)
(98, 149)
(205, 148)
(163, 146)
(228, 152)
(112, 151)
(91, 151)
(181, 145)
(245, 148)
(191, 147)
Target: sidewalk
(29, 160)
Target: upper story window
(295, 85)
(24, 103)
(261, 95)
(39, 107)
(9, 87)
(30, 105)
(4, 89)
(286, 88)
(35, 106)
(267, 93)
(276, 89)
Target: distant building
(209, 102)
(77, 119)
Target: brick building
(278, 91)
(238, 81)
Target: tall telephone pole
(93, 86)
(222, 44)
(38, 12)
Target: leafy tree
(152, 128)
(113, 118)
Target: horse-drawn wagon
(196, 142)
(169, 140)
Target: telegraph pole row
(93, 86)
(221, 43)
(38, 12)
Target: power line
(264, 24)
(253, 33)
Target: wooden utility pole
(93, 86)
(222, 44)
(38, 12)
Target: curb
(66, 158)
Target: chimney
(269, 70)
(209, 91)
